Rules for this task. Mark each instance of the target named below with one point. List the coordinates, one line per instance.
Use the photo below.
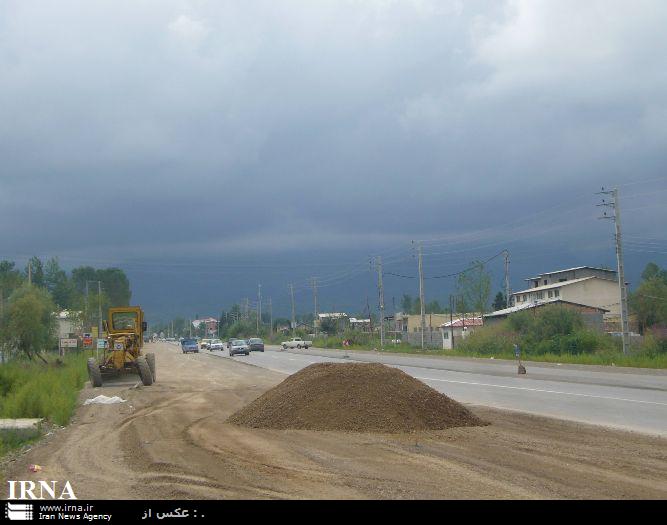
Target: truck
(296, 342)
(122, 353)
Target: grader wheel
(151, 364)
(144, 371)
(94, 373)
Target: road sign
(87, 341)
(101, 344)
(67, 342)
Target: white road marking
(541, 390)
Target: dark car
(189, 345)
(239, 346)
(256, 344)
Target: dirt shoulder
(170, 440)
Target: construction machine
(125, 327)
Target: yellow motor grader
(125, 329)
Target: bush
(491, 340)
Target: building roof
(571, 270)
(460, 323)
(557, 285)
(66, 314)
(197, 322)
(534, 304)
(332, 315)
(355, 320)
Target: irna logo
(40, 490)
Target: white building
(457, 330)
(68, 323)
(584, 285)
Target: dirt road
(170, 441)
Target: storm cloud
(146, 130)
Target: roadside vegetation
(35, 382)
(551, 334)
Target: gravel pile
(356, 397)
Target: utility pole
(259, 306)
(616, 216)
(190, 323)
(99, 309)
(507, 279)
(270, 318)
(451, 319)
(291, 291)
(378, 263)
(313, 283)
(421, 294)
(87, 307)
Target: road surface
(618, 398)
(172, 441)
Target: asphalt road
(620, 398)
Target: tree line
(30, 298)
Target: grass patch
(553, 336)
(39, 390)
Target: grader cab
(125, 327)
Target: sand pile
(358, 397)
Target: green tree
(116, 285)
(653, 271)
(433, 308)
(500, 301)
(474, 287)
(406, 304)
(29, 321)
(62, 289)
(10, 278)
(649, 301)
(36, 271)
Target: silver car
(239, 346)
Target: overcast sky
(164, 136)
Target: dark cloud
(236, 130)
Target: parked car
(189, 345)
(215, 344)
(256, 344)
(296, 342)
(239, 346)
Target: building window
(562, 280)
(551, 294)
(556, 293)
(545, 281)
(446, 335)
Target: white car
(296, 342)
(215, 344)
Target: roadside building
(363, 325)
(211, 324)
(583, 285)
(69, 324)
(455, 331)
(592, 316)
